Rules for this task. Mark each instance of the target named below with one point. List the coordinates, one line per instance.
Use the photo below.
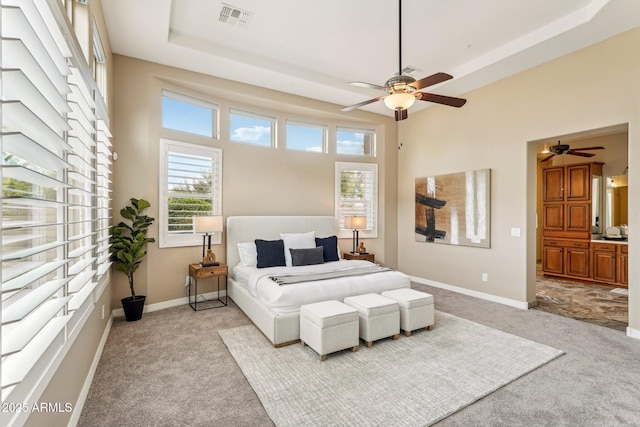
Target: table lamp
(207, 225)
(355, 223)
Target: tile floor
(600, 304)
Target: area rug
(413, 381)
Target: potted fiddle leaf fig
(128, 249)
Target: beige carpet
(452, 366)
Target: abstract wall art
(454, 209)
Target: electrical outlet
(485, 277)
(187, 280)
(102, 311)
(515, 232)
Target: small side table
(196, 271)
(365, 257)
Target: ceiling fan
(403, 90)
(559, 149)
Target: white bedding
(289, 298)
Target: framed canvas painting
(454, 209)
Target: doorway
(602, 302)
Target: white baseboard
(493, 298)
(77, 410)
(633, 333)
(119, 312)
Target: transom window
(252, 128)
(306, 137)
(186, 114)
(359, 142)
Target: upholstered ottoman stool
(416, 309)
(379, 317)
(329, 326)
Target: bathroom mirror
(596, 205)
(616, 200)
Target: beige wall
(256, 180)
(590, 89)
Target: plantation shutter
(49, 204)
(357, 195)
(192, 182)
(103, 197)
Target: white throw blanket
(288, 279)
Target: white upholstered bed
(275, 313)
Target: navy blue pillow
(270, 253)
(330, 247)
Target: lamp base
(209, 259)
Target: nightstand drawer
(198, 272)
(366, 257)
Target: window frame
(372, 148)
(372, 220)
(166, 239)
(323, 128)
(248, 114)
(214, 108)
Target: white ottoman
(416, 309)
(329, 326)
(379, 317)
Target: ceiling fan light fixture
(399, 100)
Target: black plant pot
(133, 308)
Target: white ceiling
(314, 48)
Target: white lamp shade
(207, 224)
(399, 100)
(355, 222)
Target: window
(99, 63)
(186, 114)
(252, 128)
(55, 201)
(359, 142)
(306, 137)
(190, 185)
(357, 194)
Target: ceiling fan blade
(368, 85)
(587, 148)
(360, 104)
(574, 153)
(401, 114)
(431, 80)
(547, 158)
(441, 99)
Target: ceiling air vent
(409, 70)
(235, 16)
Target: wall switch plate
(515, 232)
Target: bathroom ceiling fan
(559, 149)
(403, 90)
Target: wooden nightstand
(365, 257)
(196, 271)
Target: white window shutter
(55, 201)
(356, 192)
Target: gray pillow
(308, 256)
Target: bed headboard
(248, 228)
